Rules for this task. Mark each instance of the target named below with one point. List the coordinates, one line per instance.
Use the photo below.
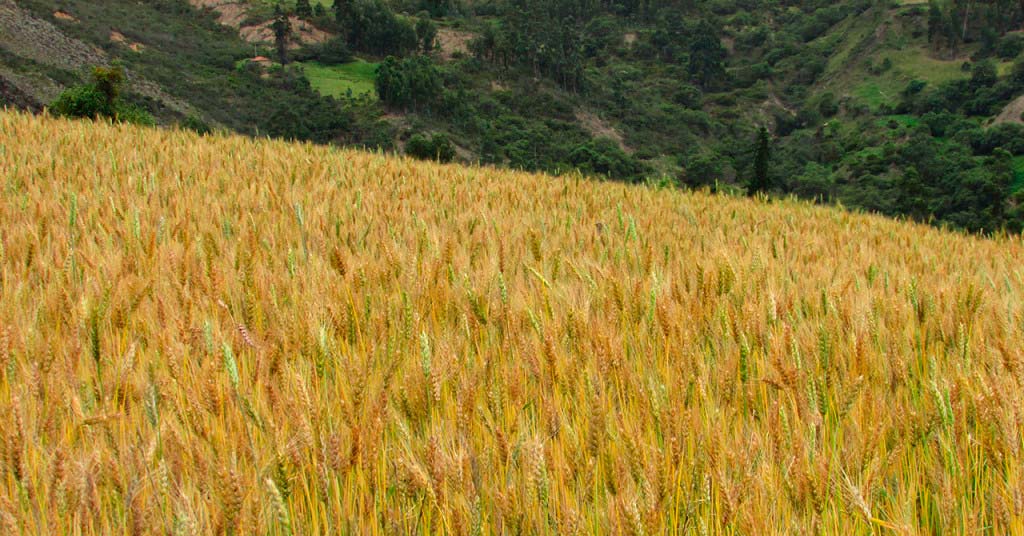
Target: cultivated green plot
(356, 77)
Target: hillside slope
(219, 334)
(182, 66)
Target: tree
(374, 28)
(334, 52)
(997, 191)
(1017, 74)
(437, 8)
(911, 195)
(426, 34)
(707, 55)
(108, 81)
(409, 83)
(101, 98)
(603, 156)
(282, 28)
(344, 14)
(761, 182)
(702, 169)
(303, 9)
(936, 22)
(984, 74)
(437, 147)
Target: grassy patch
(337, 80)
(910, 63)
(904, 120)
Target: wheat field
(219, 335)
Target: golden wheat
(224, 335)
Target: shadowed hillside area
(221, 335)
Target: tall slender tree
(761, 181)
(282, 28)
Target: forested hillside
(899, 107)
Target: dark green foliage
(303, 9)
(282, 28)
(760, 182)
(537, 37)
(707, 56)
(334, 52)
(196, 124)
(984, 74)
(426, 33)
(344, 14)
(412, 83)
(702, 169)
(100, 99)
(936, 21)
(371, 27)
(436, 8)
(108, 81)
(603, 156)
(1010, 47)
(81, 101)
(1017, 74)
(912, 196)
(436, 147)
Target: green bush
(603, 156)
(436, 147)
(82, 102)
(100, 99)
(409, 83)
(334, 52)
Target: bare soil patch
(598, 128)
(229, 12)
(64, 16)
(452, 42)
(303, 33)
(121, 39)
(1012, 113)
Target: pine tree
(282, 31)
(303, 9)
(761, 182)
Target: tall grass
(221, 335)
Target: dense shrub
(413, 83)
(100, 99)
(436, 147)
